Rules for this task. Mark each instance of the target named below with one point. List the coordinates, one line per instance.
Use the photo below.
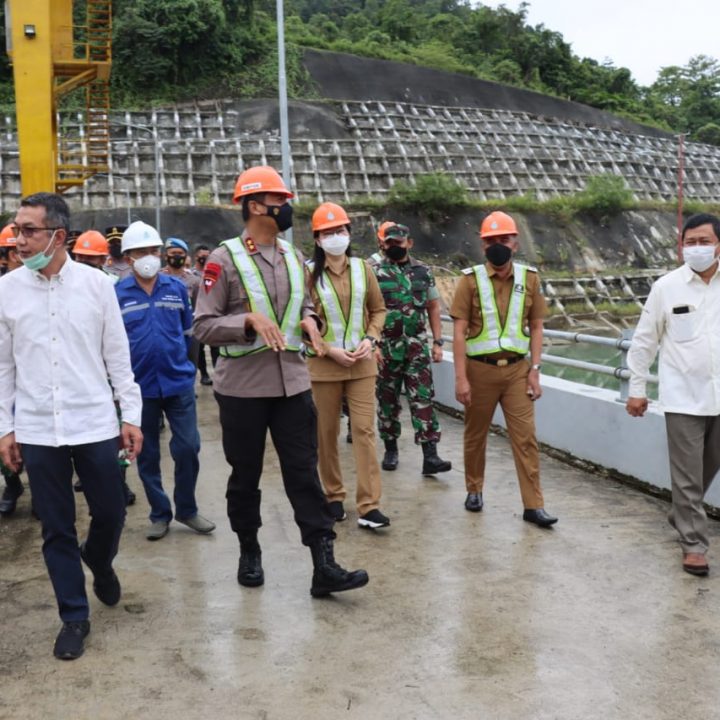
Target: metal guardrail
(622, 343)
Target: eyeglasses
(28, 231)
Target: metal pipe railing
(623, 343)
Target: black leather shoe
(474, 502)
(205, 380)
(8, 502)
(105, 585)
(70, 642)
(130, 497)
(250, 571)
(539, 517)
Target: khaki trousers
(360, 394)
(490, 385)
(694, 449)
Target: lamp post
(282, 101)
(156, 148)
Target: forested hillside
(175, 50)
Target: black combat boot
(328, 576)
(433, 463)
(250, 571)
(391, 458)
(13, 490)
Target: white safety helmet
(140, 235)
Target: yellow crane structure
(53, 57)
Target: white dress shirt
(689, 343)
(60, 341)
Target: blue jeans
(50, 471)
(184, 448)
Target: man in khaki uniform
(255, 306)
(494, 304)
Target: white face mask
(699, 257)
(335, 244)
(147, 267)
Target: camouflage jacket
(407, 288)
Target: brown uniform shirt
(327, 370)
(466, 302)
(220, 313)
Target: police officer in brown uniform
(493, 307)
(255, 306)
(117, 264)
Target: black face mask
(115, 250)
(498, 254)
(396, 252)
(176, 261)
(281, 214)
(82, 259)
(201, 260)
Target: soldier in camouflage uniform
(408, 288)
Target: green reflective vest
(259, 299)
(492, 338)
(343, 332)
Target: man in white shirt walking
(61, 338)
(681, 317)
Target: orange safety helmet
(91, 242)
(329, 215)
(497, 223)
(383, 229)
(7, 236)
(260, 179)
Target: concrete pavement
(466, 615)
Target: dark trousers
(50, 471)
(292, 422)
(181, 414)
(202, 360)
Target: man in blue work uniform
(158, 320)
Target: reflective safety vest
(492, 339)
(343, 332)
(259, 299)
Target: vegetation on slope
(170, 50)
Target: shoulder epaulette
(468, 271)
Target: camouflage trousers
(412, 370)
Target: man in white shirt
(61, 338)
(682, 318)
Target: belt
(500, 362)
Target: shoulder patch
(531, 268)
(211, 275)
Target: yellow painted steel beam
(75, 82)
(40, 32)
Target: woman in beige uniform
(347, 297)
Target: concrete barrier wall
(590, 424)
(362, 148)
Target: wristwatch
(439, 342)
(373, 341)
(537, 367)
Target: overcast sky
(642, 35)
